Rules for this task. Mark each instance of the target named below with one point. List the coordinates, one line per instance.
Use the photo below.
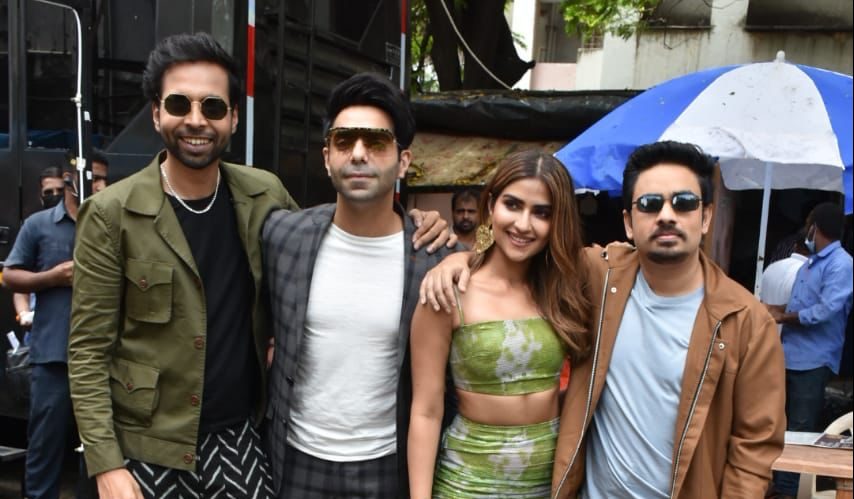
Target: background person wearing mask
(40, 263)
(51, 192)
(814, 321)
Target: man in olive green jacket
(169, 334)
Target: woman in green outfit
(524, 312)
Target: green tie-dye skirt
(485, 461)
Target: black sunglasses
(375, 140)
(681, 202)
(213, 108)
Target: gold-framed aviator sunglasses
(375, 140)
(213, 108)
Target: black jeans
(804, 405)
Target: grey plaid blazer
(290, 242)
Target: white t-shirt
(345, 394)
(778, 280)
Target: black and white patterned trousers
(232, 464)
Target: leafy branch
(617, 17)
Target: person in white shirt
(779, 277)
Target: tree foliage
(616, 17)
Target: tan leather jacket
(730, 422)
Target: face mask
(809, 242)
(51, 200)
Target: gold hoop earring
(483, 238)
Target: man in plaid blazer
(343, 281)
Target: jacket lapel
(241, 196)
(309, 244)
(615, 295)
(412, 265)
(704, 364)
(148, 199)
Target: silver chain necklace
(181, 201)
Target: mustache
(362, 170)
(667, 229)
(187, 131)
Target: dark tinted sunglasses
(681, 202)
(375, 140)
(56, 191)
(213, 108)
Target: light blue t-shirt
(630, 446)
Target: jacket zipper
(590, 387)
(693, 408)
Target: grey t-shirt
(630, 446)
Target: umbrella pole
(763, 229)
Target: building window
(794, 15)
(680, 14)
(51, 43)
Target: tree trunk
(487, 33)
(444, 53)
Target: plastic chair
(806, 487)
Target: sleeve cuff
(103, 457)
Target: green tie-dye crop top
(506, 357)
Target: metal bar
(309, 84)
(763, 228)
(280, 78)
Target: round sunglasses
(213, 108)
(682, 202)
(375, 140)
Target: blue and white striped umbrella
(797, 119)
(773, 125)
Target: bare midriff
(509, 410)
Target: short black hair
(370, 89)
(680, 153)
(829, 219)
(50, 172)
(185, 47)
(461, 195)
(799, 245)
(98, 157)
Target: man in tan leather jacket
(683, 395)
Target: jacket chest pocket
(148, 291)
(134, 392)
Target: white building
(683, 36)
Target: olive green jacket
(136, 351)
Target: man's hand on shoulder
(431, 229)
(118, 484)
(437, 287)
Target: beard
(667, 255)
(464, 227)
(187, 158)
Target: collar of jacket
(324, 217)
(146, 196)
(719, 303)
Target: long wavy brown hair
(557, 275)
